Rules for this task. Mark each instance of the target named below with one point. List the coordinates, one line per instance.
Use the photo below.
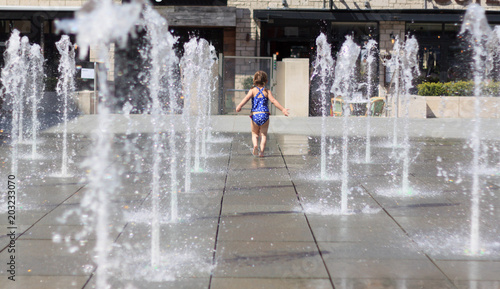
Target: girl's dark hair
(260, 78)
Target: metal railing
(236, 75)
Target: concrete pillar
(292, 89)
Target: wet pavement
(270, 222)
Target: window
(361, 32)
(442, 53)
(190, 2)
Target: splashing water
(493, 61)
(162, 59)
(164, 63)
(23, 89)
(174, 94)
(13, 85)
(65, 88)
(209, 88)
(188, 64)
(404, 65)
(343, 86)
(22, 78)
(212, 94)
(476, 25)
(394, 66)
(409, 70)
(371, 50)
(323, 68)
(36, 78)
(205, 63)
(99, 24)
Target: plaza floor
(249, 222)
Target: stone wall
(42, 2)
(45, 3)
(461, 107)
(448, 107)
(198, 16)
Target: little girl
(260, 110)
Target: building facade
(288, 29)
(278, 28)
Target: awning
(198, 16)
(29, 12)
(369, 15)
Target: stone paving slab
(249, 222)
(362, 283)
(278, 283)
(334, 232)
(259, 201)
(384, 269)
(55, 282)
(470, 270)
(194, 283)
(278, 228)
(267, 260)
(46, 258)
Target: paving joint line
(116, 239)
(18, 236)
(307, 219)
(220, 217)
(412, 240)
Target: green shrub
(448, 88)
(50, 83)
(457, 88)
(461, 88)
(247, 82)
(492, 89)
(431, 89)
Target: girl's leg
(263, 137)
(255, 137)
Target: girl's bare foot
(254, 152)
(261, 154)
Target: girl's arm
(276, 103)
(244, 101)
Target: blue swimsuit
(259, 104)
